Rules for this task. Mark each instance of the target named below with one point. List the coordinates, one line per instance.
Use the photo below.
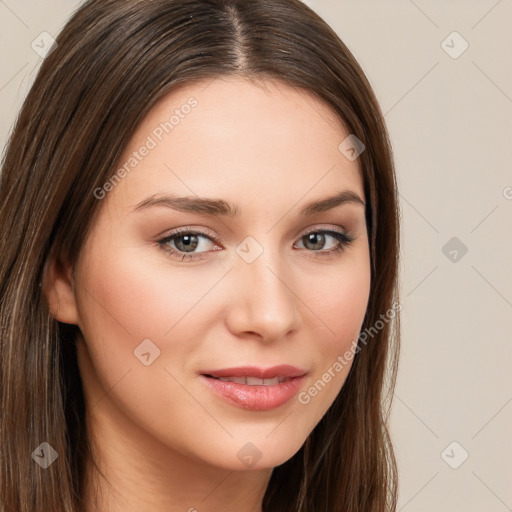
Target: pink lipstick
(255, 388)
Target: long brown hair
(113, 61)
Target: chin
(258, 454)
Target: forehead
(239, 140)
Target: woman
(198, 268)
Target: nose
(263, 301)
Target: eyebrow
(219, 207)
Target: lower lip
(255, 398)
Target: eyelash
(345, 240)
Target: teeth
(238, 380)
(254, 381)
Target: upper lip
(283, 370)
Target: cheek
(129, 296)
(140, 296)
(339, 314)
(340, 301)
(345, 306)
(127, 299)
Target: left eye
(318, 238)
(183, 244)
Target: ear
(59, 290)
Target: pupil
(316, 239)
(187, 241)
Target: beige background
(450, 121)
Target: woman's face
(261, 281)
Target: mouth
(256, 374)
(254, 388)
(252, 381)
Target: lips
(257, 389)
(253, 375)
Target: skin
(162, 438)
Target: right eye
(182, 243)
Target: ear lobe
(58, 289)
